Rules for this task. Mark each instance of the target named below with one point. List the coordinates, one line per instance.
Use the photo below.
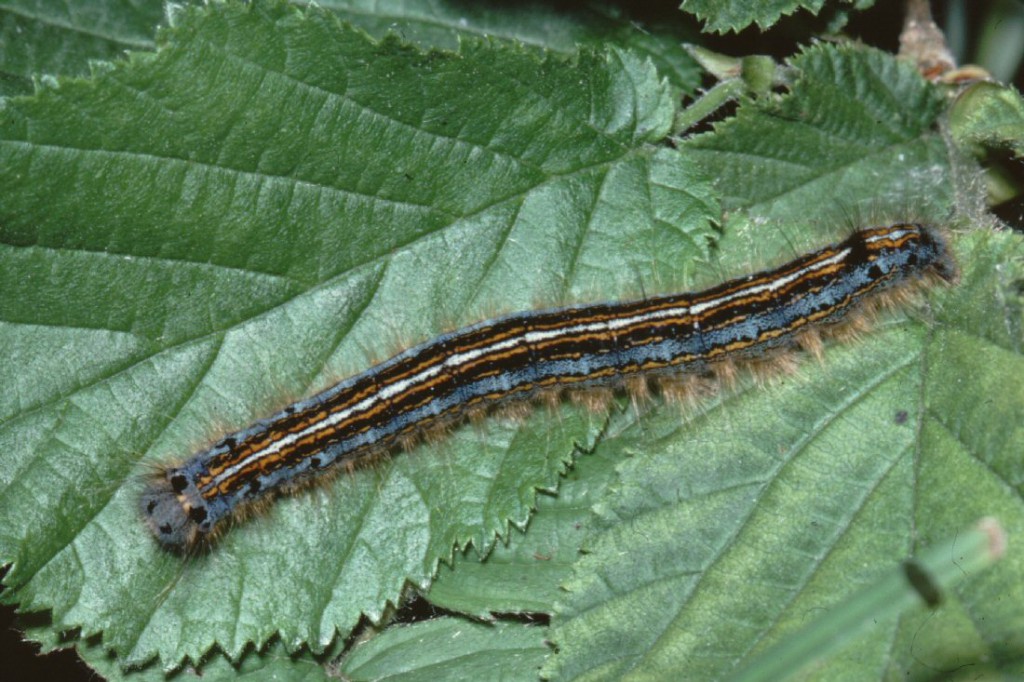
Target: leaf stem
(927, 578)
(708, 103)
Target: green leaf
(856, 124)
(267, 204)
(38, 38)
(272, 662)
(989, 114)
(524, 573)
(273, 201)
(726, 529)
(61, 39)
(449, 648)
(734, 15)
(925, 579)
(651, 32)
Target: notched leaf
(267, 204)
(735, 15)
(855, 133)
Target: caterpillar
(522, 355)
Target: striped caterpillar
(519, 356)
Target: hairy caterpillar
(518, 356)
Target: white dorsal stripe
(530, 337)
